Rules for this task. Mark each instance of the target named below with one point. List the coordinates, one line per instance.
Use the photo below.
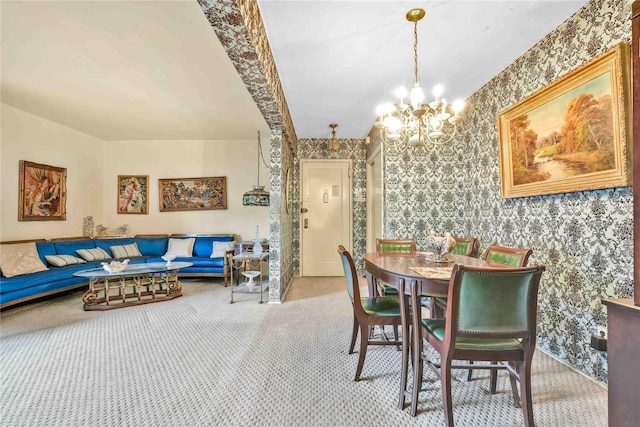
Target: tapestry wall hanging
(42, 192)
(193, 194)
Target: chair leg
(470, 373)
(493, 379)
(364, 342)
(405, 368)
(525, 391)
(395, 336)
(445, 380)
(418, 366)
(354, 333)
(514, 386)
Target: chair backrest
(511, 257)
(350, 274)
(396, 246)
(493, 302)
(464, 246)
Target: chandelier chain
(415, 50)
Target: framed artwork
(42, 192)
(193, 194)
(133, 194)
(572, 135)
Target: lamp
(416, 124)
(257, 196)
(334, 145)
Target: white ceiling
(129, 70)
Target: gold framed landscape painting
(570, 136)
(133, 194)
(193, 194)
(42, 192)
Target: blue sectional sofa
(14, 290)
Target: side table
(245, 262)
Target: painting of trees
(572, 135)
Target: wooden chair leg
(514, 387)
(470, 373)
(445, 380)
(395, 336)
(525, 392)
(364, 342)
(493, 379)
(418, 366)
(354, 333)
(405, 368)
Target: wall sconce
(334, 145)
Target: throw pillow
(20, 258)
(95, 254)
(62, 260)
(124, 251)
(219, 248)
(181, 247)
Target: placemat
(441, 273)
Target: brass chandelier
(417, 124)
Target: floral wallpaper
(585, 239)
(353, 149)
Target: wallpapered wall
(281, 270)
(354, 149)
(584, 238)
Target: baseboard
(573, 368)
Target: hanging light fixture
(334, 145)
(257, 196)
(417, 124)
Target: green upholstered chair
(511, 257)
(491, 316)
(464, 246)
(367, 312)
(394, 247)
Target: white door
(325, 219)
(374, 199)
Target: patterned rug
(199, 361)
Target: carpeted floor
(200, 361)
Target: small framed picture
(133, 194)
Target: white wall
(92, 169)
(24, 136)
(235, 159)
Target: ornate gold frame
(615, 62)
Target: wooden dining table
(432, 277)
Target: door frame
(304, 162)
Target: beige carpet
(200, 361)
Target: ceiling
(153, 70)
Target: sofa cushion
(52, 275)
(44, 249)
(106, 243)
(95, 254)
(181, 247)
(125, 251)
(219, 248)
(62, 260)
(20, 258)
(152, 246)
(204, 244)
(70, 247)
